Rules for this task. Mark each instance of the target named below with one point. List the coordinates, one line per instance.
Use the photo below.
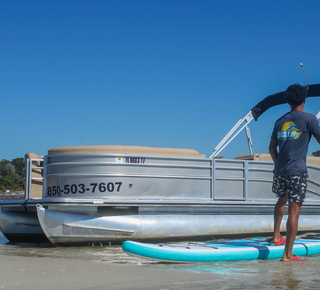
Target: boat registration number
(131, 160)
(139, 160)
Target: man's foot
(282, 241)
(294, 258)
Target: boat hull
(102, 197)
(79, 228)
(21, 226)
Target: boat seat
(218, 157)
(255, 156)
(36, 184)
(128, 150)
(311, 160)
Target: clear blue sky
(149, 73)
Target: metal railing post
(233, 133)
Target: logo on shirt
(288, 131)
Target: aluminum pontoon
(102, 194)
(18, 217)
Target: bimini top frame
(255, 113)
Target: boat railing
(33, 178)
(33, 183)
(103, 180)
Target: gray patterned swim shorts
(293, 186)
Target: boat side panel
(313, 191)
(115, 177)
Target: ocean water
(257, 274)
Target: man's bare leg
(279, 210)
(292, 228)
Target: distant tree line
(11, 175)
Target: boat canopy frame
(255, 113)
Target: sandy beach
(43, 266)
(78, 268)
(59, 273)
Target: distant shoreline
(18, 195)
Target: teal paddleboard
(218, 251)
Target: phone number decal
(82, 188)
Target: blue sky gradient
(149, 73)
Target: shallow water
(257, 274)
(103, 254)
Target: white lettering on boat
(189, 192)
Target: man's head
(295, 95)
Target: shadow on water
(103, 254)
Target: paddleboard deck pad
(218, 251)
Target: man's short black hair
(295, 94)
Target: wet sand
(60, 273)
(32, 266)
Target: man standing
(292, 133)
